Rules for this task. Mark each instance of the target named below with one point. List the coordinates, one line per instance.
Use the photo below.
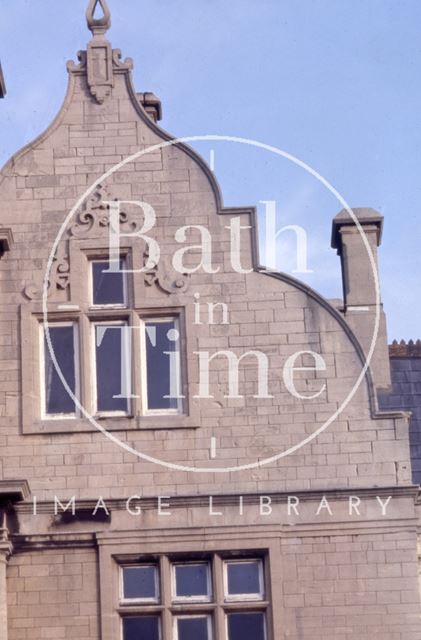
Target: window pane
(140, 582)
(163, 364)
(192, 580)
(108, 286)
(57, 399)
(244, 578)
(193, 628)
(144, 628)
(246, 626)
(113, 374)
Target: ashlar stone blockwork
(332, 575)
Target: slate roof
(405, 362)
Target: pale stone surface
(332, 577)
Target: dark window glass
(163, 365)
(246, 626)
(57, 399)
(112, 367)
(193, 628)
(144, 628)
(192, 580)
(140, 582)
(108, 286)
(244, 578)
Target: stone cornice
(366, 217)
(55, 541)
(14, 491)
(221, 500)
(217, 534)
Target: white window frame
(191, 599)
(146, 614)
(184, 616)
(42, 360)
(247, 612)
(109, 323)
(144, 320)
(244, 597)
(110, 305)
(152, 600)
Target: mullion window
(191, 582)
(243, 580)
(140, 583)
(161, 365)
(246, 625)
(108, 283)
(193, 627)
(195, 600)
(112, 367)
(59, 339)
(124, 381)
(138, 627)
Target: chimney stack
(359, 283)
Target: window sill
(111, 423)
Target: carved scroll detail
(165, 278)
(94, 219)
(59, 276)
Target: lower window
(246, 626)
(193, 628)
(142, 628)
(170, 598)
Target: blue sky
(334, 82)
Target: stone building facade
(137, 505)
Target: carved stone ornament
(165, 278)
(59, 276)
(94, 219)
(100, 62)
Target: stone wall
(340, 574)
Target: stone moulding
(14, 490)
(261, 534)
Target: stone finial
(100, 63)
(98, 25)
